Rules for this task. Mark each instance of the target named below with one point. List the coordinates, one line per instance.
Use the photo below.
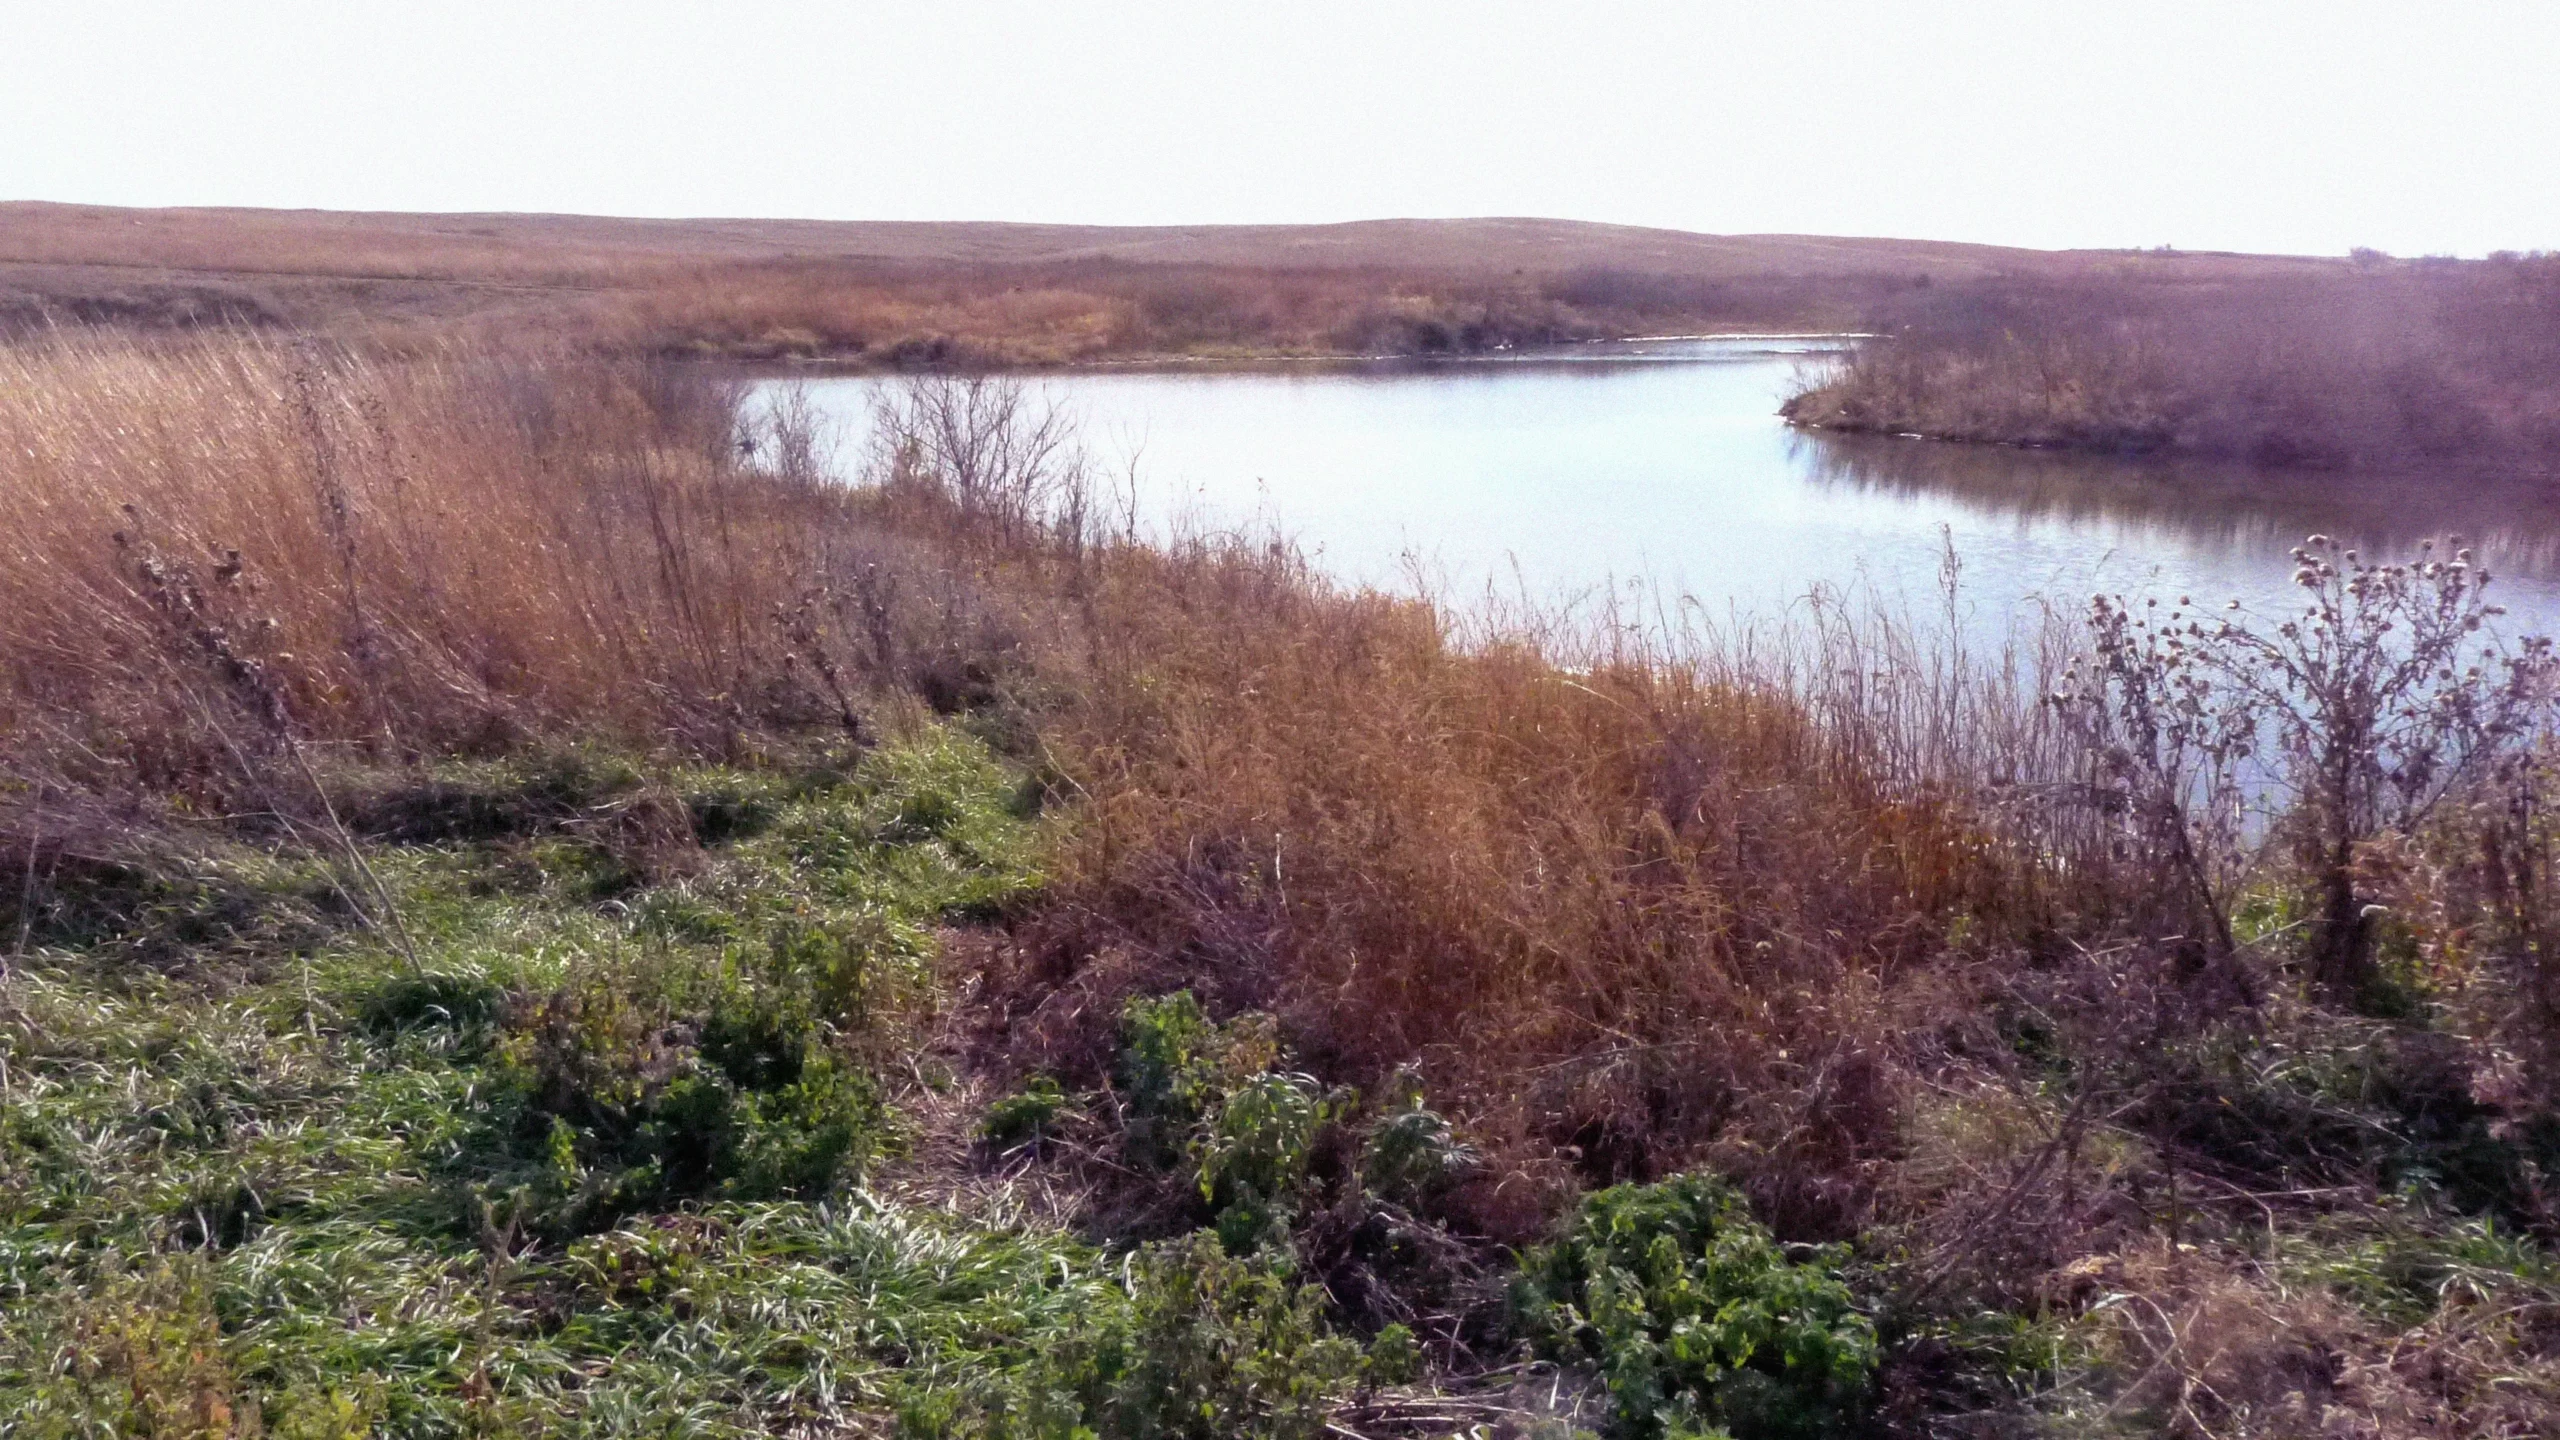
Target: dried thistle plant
(2354, 718)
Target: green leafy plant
(1253, 1154)
(638, 1088)
(1170, 1070)
(1026, 1116)
(1695, 1316)
(1204, 1346)
(1410, 1150)
(1211, 1094)
(1215, 1348)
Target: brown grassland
(917, 295)
(2125, 1124)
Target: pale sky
(2305, 127)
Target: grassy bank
(530, 916)
(1063, 314)
(2389, 364)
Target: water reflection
(1589, 358)
(2227, 510)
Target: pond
(1664, 463)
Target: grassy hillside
(914, 294)
(536, 246)
(530, 917)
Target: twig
(27, 892)
(399, 933)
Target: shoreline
(835, 367)
(2469, 469)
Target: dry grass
(2389, 364)
(2217, 1342)
(406, 553)
(1632, 908)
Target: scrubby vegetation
(528, 913)
(2389, 364)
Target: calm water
(1665, 462)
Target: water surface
(1666, 462)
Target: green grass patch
(579, 1152)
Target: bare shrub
(1003, 461)
(2386, 695)
(788, 438)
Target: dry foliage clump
(2216, 1342)
(1629, 909)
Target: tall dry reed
(217, 540)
